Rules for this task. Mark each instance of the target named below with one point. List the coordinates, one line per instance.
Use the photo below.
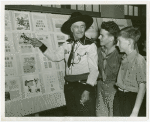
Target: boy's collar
(104, 50)
(130, 56)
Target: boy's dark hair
(112, 28)
(130, 32)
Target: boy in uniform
(109, 60)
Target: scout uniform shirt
(113, 61)
(132, 72)
(84, 62)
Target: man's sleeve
(93, 66)
(56, 55)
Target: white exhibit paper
(8, 26)
(32, 85)
(23, 45)
(10, 65)
(28, 64)
(51, 82)
(9, 45)
(39, 22)
(12, 88)
(22, 21)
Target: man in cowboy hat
(80, 54)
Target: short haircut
(112, 28)
(130, 32)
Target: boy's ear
(130, 41)
(111, 38)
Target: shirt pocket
(113, 66)
(130, 78)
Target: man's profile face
(78, 29)
(104, 37)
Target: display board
(33, 83)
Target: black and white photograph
(68, 60)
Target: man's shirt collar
(84, 40)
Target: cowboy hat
(76, 16)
